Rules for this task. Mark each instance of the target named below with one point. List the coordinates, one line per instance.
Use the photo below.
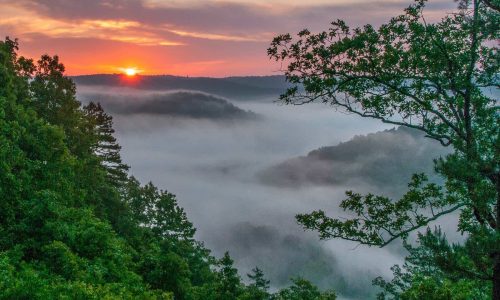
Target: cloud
(185, 104)
(27, 23)
(223, 37)
(223, 20)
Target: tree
(105, 145)
(158, 211)
(171, 259)
(436, 269)
(439, 78)
(54, 99)
(229, 283)
(303, 290)
(259, 281)
(259, 288)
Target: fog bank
(242, 183)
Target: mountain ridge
(234, 87)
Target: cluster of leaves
(73, 224)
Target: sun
(130, 71)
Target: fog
(215, 168)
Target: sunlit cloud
(275, 3)
(180, 36)
(26, 23)
(223, 37)
(209, 62)
(112, 24)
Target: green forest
(75, 224)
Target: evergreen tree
(258, 279)
(105, 145)
(303, 290)
(52, 244)
(436, 269)
(229, 283)
(258, 288)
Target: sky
(179, 37)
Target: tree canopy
(73, 223)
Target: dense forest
(75, 225)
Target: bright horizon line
(172, 75)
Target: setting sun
(130, 71)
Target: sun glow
(130, 71)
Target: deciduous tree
(441, 78)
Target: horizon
(172, 75)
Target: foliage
(259, 288)
(437, 270)
(439, 78)
(105, 145)
(73, 224)
(303, 290)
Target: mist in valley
(242, 171)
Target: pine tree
(258, 288)
(106, 146)
(258, 279)
(229, 286)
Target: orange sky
(179, 37)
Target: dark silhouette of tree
(258, 279)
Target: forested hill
(75, 225)
(232, 87)
(383, 159)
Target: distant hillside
(184, 104)
(386, 159)
(240, 88)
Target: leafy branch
(378, 220)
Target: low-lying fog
(215, 166)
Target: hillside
(383, 159)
